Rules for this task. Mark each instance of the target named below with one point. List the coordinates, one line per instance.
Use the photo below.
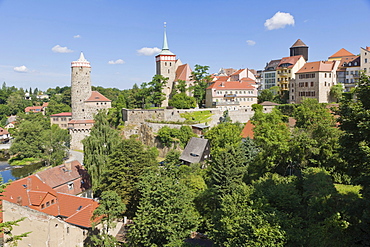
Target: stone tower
(166, 65)
(299, 48)
(80, 87)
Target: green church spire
(165, 49)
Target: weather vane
(165, 24)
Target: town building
(314, 80)
(239, 90)
(168, 66)
(61, 119)
(53, 218)
(268, 77)
(285, 71)
(196, 151)
(365, 60)
(85, 102)
(4, 135)
(299, 48)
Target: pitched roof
(341, 53)
(61, 175)
(289, 60)
(183, 72)
(319, 66)
(244, 84)
(62, 114)
(268, 103)
(248, 130)
(3, 131)
(33, 108)
(272, 64)
(193, 152)
(299, 43)
(31, 192)
(96, 96)
(82, 121)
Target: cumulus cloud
(251, 42)
(77, 36)
(21, 69)
(279, 20)
(61, 49)
(118, 61)
(146, 51)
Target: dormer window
(70, 185)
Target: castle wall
(46, 230)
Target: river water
(8, 172)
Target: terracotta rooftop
(3, 131)
(82, 121)
(299, 43)
(243, 84)
(33, 109)
(289, 60)
(248, 130)
(96, 96)
(268, 103)
(31, 192)
(183, 72)
(319, 66)
(62, 114)
(341, 53)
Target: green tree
(182, 101)
(156, 89)
(336, 92)
(110, 209)
(16, 102)
(270, 94)
(56, 144)
(201, 80)
(54, 107)
(180, 86)
(97, 148)
(166, 214)
(127, 162)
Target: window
(47, 204)
(42, 206)
(70, 185)
(311, 83)
(365, 60)
(52, 201)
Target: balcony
(284, 74)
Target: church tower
(166, 66)
(80, 87)
(299, 48)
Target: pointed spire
(82, 58)
(165, 49)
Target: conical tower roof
(165, 49)
(299, 43)
(81, 62)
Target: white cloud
(146, 51)
(60, 49)
(118, 61)
(279, 20)
(77, 36)
(251, 42)
(21, 69)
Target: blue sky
(39, 39)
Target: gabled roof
(96, 96)
(33, 108)
(82, 121)
(319, 66)
(244, 84)
(289, 60)
(299, 43)
(183, 72)
(61, 175)
(248, 130)
(272, 65)
(3, 131)
(268, 103)
(341, 53)
(62, 114)
(193, 152)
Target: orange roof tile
(96, 96)
(3, 131)
(243, 84)
(238, 72)
(36, 197)
(82, 121)
(248, 130)
(318, 66)
(62, 114)
(289, 60)
(183, 72)
(341, 53)
(33, 109)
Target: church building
(85, 102)
(172, 68)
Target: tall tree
(201, 80)
(156, 89)
(166, 214)
(98, 146)
(56, 144)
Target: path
(75, 155)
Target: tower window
(168, 71)
(170, 63)
(165, 64)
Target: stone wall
(46, 230)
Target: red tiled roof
(96, 96)
(82, 121)
(299, 43)
(248, 130)
(268, 103)
(62, 114)
(45, 104)
(243, 84)
(290, 60)
(238, 72)
(318, 66)
(3, 131)
(341, 53)
(33, 109)
(31, 192)
(183, 72)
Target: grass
(197, 116)
(348, 189)
(24, 162)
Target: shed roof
(194, 150)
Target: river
(8, 172)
